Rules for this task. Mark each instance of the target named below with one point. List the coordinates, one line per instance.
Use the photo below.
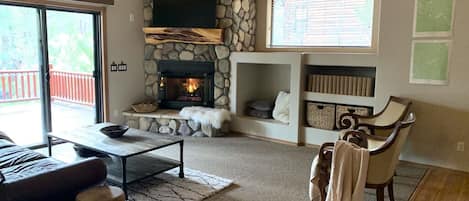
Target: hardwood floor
(443, 185)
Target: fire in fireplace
(185, 83)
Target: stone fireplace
(237, 18)
(185, 83)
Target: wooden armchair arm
(355, 121)
(351, 121)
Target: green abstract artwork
(430, 62)
(433, 16)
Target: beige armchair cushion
(373, 143)
(392, 114)
(382, 166)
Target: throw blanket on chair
(342, 167)
(348, 172)
(206, 116)
(314, 187)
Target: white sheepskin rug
(206, 116)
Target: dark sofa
(29, 176)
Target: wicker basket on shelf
(320, 115)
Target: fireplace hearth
(185, 83)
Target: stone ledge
(166, 121)
(159, 114)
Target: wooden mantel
(159, 35)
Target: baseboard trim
(270, 139)
(309, 145)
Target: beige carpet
(261, 171)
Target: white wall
(442, 111)
(125, 42)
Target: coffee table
(131, 149)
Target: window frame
(348, 49)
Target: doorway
(50, 71)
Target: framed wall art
(430, 62)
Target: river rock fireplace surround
(237, 19)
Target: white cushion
(282, 107)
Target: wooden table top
(132, 143)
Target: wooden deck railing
(19, 85)
(23, 85)
(72, 87)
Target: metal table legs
(181, 160)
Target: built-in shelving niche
(340, 86)
(341, 80)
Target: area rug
(168, 186)
(408, 177)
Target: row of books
(343, 85)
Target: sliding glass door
(21, 88)
(50, 75)
(71, 50)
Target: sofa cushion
(2, 178)
(5, 136)
(11, 156)
(5, 143)
(30, 169)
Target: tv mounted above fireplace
(184, 13)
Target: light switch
(131, 17)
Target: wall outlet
(460, 146)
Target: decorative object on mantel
(206, 116)
(260, 109)
(159, 35)
(114, 131)
(282, 107)
(144, 107)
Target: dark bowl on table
(114, 131)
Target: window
(322, 23)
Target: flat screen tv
(184, 13)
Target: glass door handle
(47, 76)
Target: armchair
(379, 126)
(382, 162)
(396, 109)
